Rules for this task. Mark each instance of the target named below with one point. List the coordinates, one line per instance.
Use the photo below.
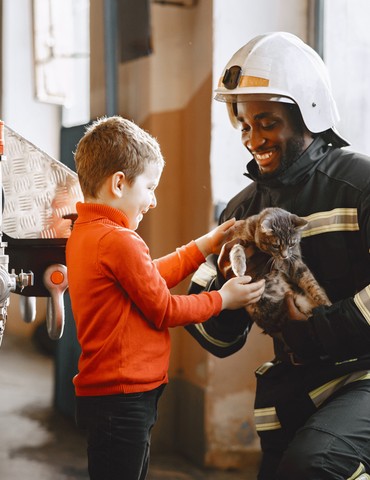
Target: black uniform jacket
(329, 187)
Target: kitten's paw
(238, 260)
(322, 300)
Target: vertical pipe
(319, 27)
(111, 55)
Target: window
(347, 55)
(61, 53)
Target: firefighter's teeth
(263, 156)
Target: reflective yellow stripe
(266, 419)
(362, 301)
(320, 394)
(204, 274)
(268, 426)
(212, 340)
(252, 81)
(360, 470)
(337, 220)
(248, 81)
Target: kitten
(269, 248)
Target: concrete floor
(39, 443)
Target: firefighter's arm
(227, 333)
(340, 331)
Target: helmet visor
(252, 97)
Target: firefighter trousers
(305, 441)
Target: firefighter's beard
(294, 149)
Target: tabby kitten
(269, 248)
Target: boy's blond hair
(113, 144)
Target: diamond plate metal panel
(38, 191)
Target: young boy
(121, 300)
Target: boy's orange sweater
(122, 305)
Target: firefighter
(312, 405)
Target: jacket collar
(302, 168)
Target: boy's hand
(213, 241)
(238, 292)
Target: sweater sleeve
(178, 265)
(125, 259)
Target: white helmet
(280, 67)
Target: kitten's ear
(265, 227)
(299, 222)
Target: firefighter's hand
(293, 312)
(223, 261)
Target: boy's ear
(118, 181)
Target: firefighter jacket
(329, 187)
